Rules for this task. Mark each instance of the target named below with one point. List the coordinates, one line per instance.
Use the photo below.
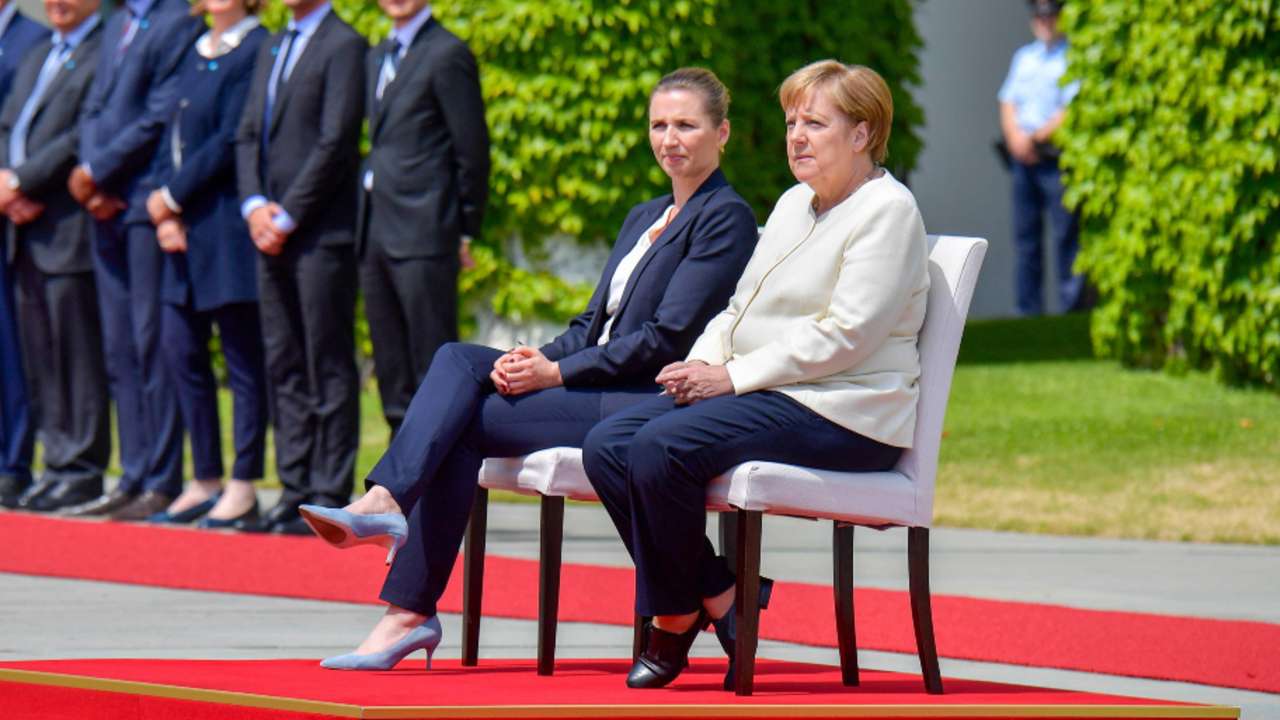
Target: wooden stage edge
(316, 707)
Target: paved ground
(108, 620)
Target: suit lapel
(300, 67)
(673, 231)
(408, 64)
(107, 59)
(626, 241)
(65, 72)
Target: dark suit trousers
(651, 464)
(15, 420)
(456, 420)
(307, 303)
(186, 347)
(412, 306)
(128, 265)
(62, 344)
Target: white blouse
(618, 283)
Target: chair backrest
(954, 263)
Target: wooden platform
(298, 689)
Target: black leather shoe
(101, 505)
(727, 629)
(664, 656)
(281, 512)
(66, 493)
(142, 507)
(11, 488)
(35, 490)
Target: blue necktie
(18, 138)
(390, 63)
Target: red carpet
(579, 689)
(1234, 654)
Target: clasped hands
(19, 208)
(86, 192)
(689, 382)
(267, 236)
(524, 369)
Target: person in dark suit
(297, 163)
(423, 193)
(210, 270)
(673, 267)
(47, 244)
(18, 34)
(131, 98)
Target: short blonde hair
(715, 96)
(858, 91)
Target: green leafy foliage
(566, 86)
(1171, 154)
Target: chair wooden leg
(842, 582)
(552, 541)
(747, 600)
(729, 536)
(473, 576)
(921, 609)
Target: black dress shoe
(296, 526)
(66, 493)
(727, 629)
(35, 490)
(281, 512)
(11, 488)
(142, 507)
(101, 505)
(664, 656)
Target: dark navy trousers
(127, 268)
(651, 464)
(15, 421)
(186, 334)
(455, 420)
(1037, 190)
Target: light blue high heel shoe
(343, 529)
(424, 637)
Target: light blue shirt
(59, 56)
(306, 28)
(1034, 84)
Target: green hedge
(566, 84)
(1171, 158)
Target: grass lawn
(1041, 437)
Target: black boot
(665, 654)
(727, 629)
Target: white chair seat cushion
(882, 498)
(866, 498)
(555, 471)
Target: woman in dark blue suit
(210, 271)
(675, 264)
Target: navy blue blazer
(683, 280)
(132, 97)
(22, 34)
(219, 266)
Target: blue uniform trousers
(1037, 190)
(15, 421)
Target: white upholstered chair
(900, 497)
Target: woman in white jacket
(814, 362)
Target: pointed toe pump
(343, 529)
(664, 656)
(424, 637)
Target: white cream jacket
(829, 309)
